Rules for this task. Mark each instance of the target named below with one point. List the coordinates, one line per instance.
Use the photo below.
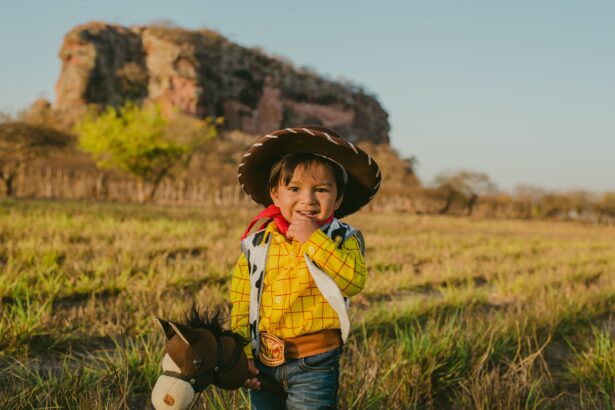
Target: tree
(142, 142)
(529, 193)
(466, 185)
(21, 143)
(606, 205)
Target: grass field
(457, 312)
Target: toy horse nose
(169, 400)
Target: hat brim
(363, 172)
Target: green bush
(141, 141)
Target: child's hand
(252, 383)
(301, 228)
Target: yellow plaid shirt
(291, 303)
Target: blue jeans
(311, 383)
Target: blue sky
(521, 90)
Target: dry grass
(457, 313)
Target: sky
(523, 90)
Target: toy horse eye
(197, 362)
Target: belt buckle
(271, 352)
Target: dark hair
(283, 170)
(212, 322)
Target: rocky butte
(204, 74)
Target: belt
(313, 343)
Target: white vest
(256, 247)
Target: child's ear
(339, 201)
(273, 193)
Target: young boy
(291, 283)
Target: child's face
(311, 192)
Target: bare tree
(529, 193)
(606, 206)
(21, 143)
(464, 185)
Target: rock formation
(204, 74)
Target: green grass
(457, 312)
(593, 369)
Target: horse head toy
(200, 352)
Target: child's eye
(322, 190)
(293, 189)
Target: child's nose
(308, 197)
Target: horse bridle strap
(196, 383)
(219, 366)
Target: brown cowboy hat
(363, 172)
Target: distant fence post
(48, 184)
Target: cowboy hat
(363, 173)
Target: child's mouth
(309, 214)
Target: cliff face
(204, 74)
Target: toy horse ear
(188, 335)
(166, 327)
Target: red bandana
(274, 213)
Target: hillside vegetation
(457, 312)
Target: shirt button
(311, 249)
(278, 299)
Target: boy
(290, 287)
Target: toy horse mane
(212, 322)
